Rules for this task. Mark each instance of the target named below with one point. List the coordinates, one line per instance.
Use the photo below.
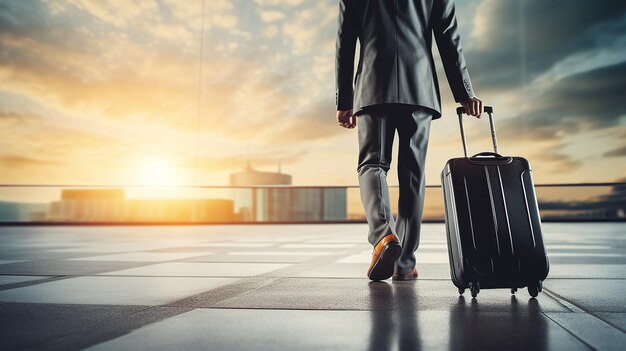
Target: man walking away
(395, 88)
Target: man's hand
(346, 119)
(473, 106)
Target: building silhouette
(252, 177)
(110, 205)
(275, 200)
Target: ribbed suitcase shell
(492, 223)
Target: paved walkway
(292, 287)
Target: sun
(158, 177)
(157, 172)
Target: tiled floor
(292, 287)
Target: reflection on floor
(292, 287)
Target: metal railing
(138, 204)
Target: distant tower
(250, 177)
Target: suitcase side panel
(538, 265)
(478, 233)
(525, 224)
(455, 252)
(469, 247)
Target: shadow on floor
(401, 325)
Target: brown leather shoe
(384, 257)
(405, 276)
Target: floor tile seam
(277, 244)
(89, 253)
(612, 324)
(567, 330)
(178, 276)
(225, 288)
(563, 301)
(292, 309)
(253, 262)
(504, 313)
(576, 309)
(161, 249)
(363, 278)
(133, 264)
(319, 261)
(580, 278)
(101, 275)
(48, 279)
(80, 305)
(326, 259)
(225, 251)
(148, 263)
(112, 325)
(99, 323)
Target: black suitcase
(492, 221)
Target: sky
(153, 92)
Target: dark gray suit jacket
(396, 63)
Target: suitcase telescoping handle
(489, 110)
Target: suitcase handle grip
(488, 153)
(461, 110)
(489, 110)
(497, 159)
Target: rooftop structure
(250, 177)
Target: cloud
(10, 119)
(310, 29)
(279, 2)
(516, 41)
(241, 90)
(589, 100)
(116, 12)
(311, 124)
(555, 162)
(613, 202)
(619, 152)
(228, 21)
(51, 142)
(270, 31)
(21, 162)
(237, 162)
(111, 82)
(74, 66)
(272, 15)
(137, 84)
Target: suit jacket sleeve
(449, 43)
(347, 34)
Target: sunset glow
(120, 92)
(157, 172)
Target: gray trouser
(377, 126)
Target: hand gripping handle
(489, 110)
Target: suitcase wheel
(533, 290)
(474, 288)
(513, 291)
(461, 291)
